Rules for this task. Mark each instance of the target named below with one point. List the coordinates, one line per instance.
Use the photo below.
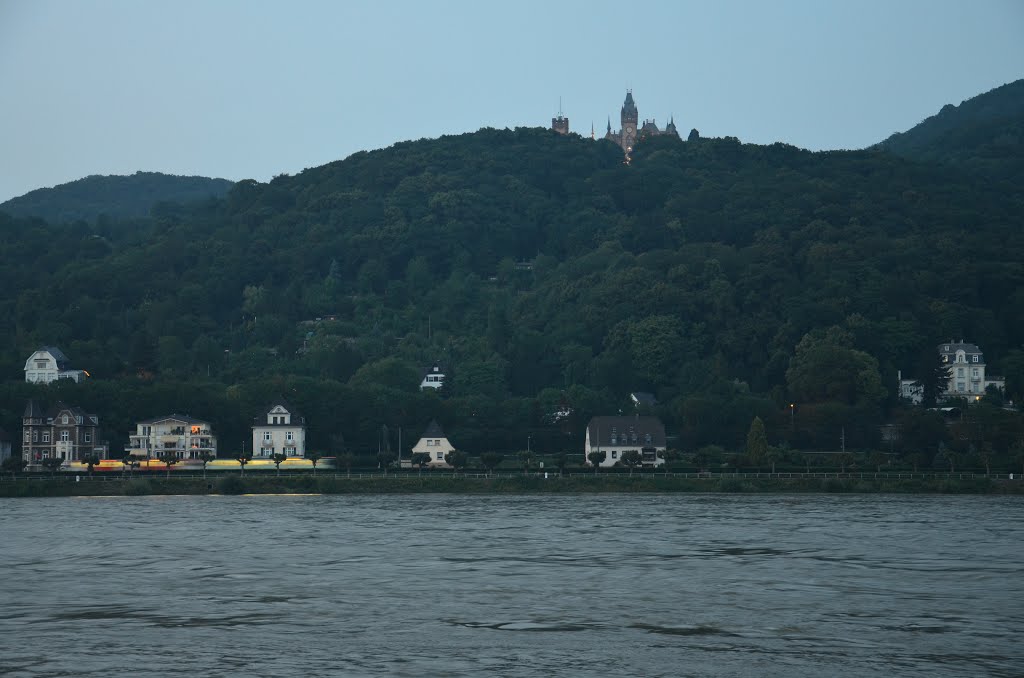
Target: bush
(231, 485)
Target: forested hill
(727, 279)
(983, 135)
(115, 196)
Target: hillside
(727, 279)
(983, 135)
(119, 197)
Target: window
(959, 371)
(647, 438)
(35, 436)
(46, 436)
(266, 436)
(974, 358)
(64, 436)
(615, 455)
(945, 348)
(64, 419)
(615, 439)
(289, 436)
(974, 372)
(28, 436)
(430, 443)
(88, 437)
(40, 364)
(960, 386)
(440, 455)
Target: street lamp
(791, 415)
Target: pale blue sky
(245, 89)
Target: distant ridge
(984, 134)
(130, 196)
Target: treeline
(729, 280)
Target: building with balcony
(63, 432)
(180, 435)
(49, 364)
(280, 430)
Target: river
(454, 585)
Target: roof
(436, 368)
(643, 398)
(600, 430)
(176, 417)
(433, 430)
(32, 410)
(58, 355)
(955, 346)
(287, 407)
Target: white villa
(281, 430)
(49, 364)
(434, 443)
(185, 437)
(967, 378)
(615, 435)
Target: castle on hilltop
(626, 137)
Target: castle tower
(560, 123)
(629, 120)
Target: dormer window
(64, 419)
(945, 348)
(974, 358)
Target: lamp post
(792, 407)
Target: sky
(248, 89)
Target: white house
(49, 364)
(967, 378)
(435, 443)
(281, 430)
(433, 377)
(615, 435)
(185, 437)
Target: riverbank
(579, 484)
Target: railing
(411, 475)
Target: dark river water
(611, 585)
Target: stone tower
(560, 124)
(629, 121)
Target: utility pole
(842, 440)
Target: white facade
(49, 364)
(615, 435)
(434, 378)
(967, 377)
(183, 436)
(279, 431)
(434, 443)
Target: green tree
(596, 458)
(419, 460)
(90, 461)
(631, 459)
(52, 464)
(278, 459)
(827, 368)
(491, 461)
(935, 375)
(757, 442)
(314, 457)
(385, 458)
(773, 455)
(456, 459)
(347, 460)
(243, 459)
(14, 465)
(206, 458)
(169, 459)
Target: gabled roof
(433, 430)
(436, 368)
(600, 430)
(32, 410)
(287, 407)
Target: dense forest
(103, 197)
(730, 280)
